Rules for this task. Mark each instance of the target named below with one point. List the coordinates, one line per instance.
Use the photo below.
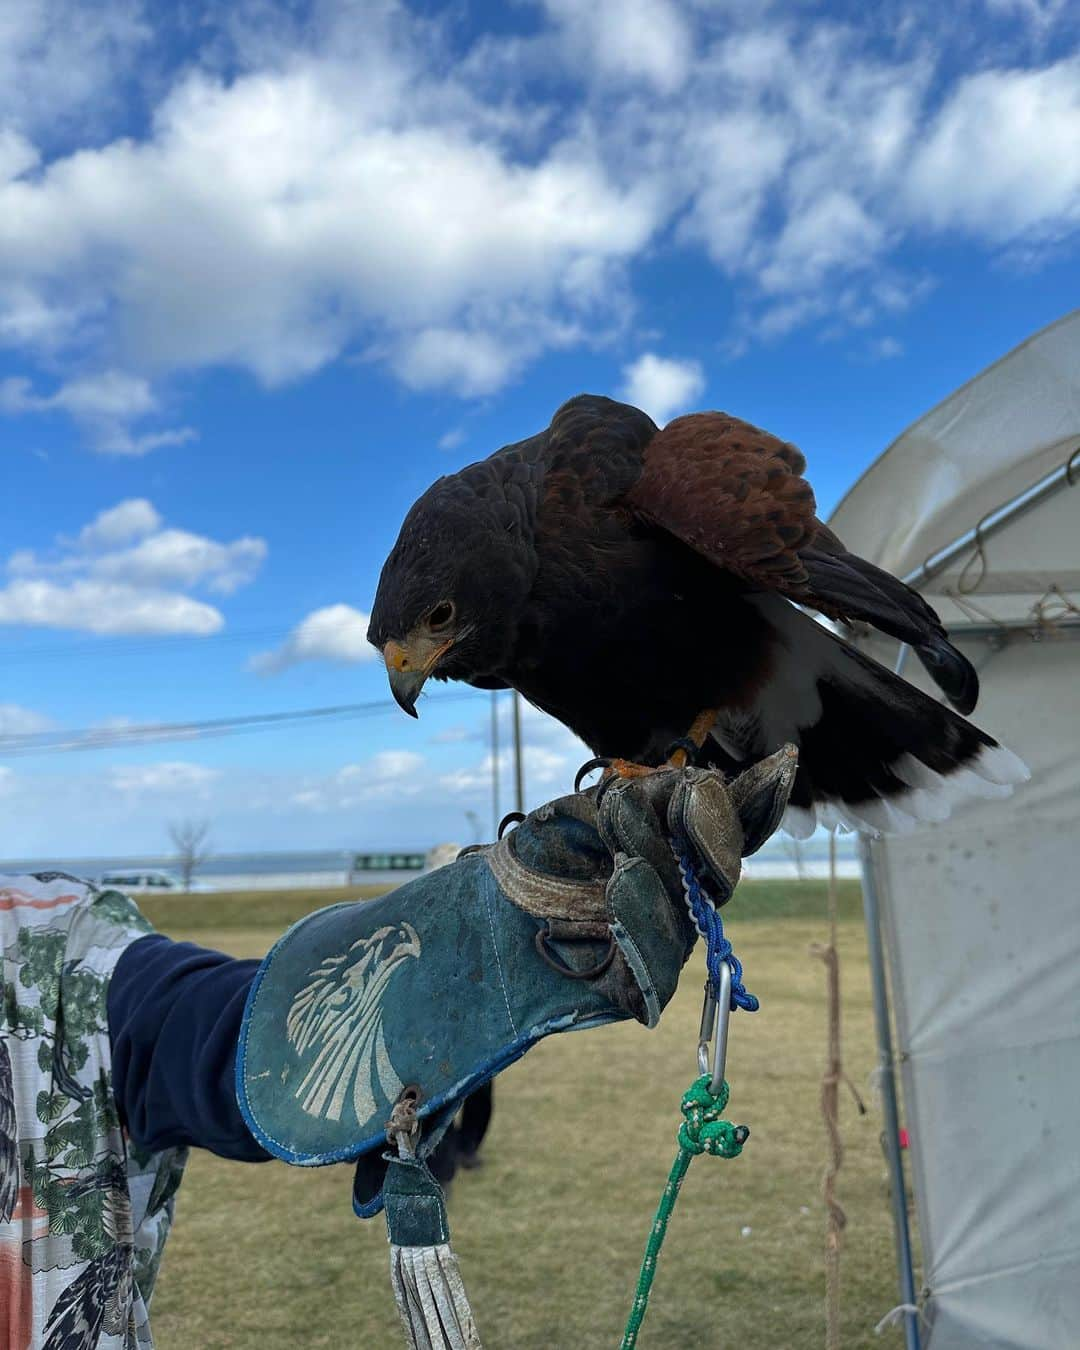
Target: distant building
(440, 855)
(362, 863)
(377, 865)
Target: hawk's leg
(697, 736)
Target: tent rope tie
(834, 1075)
(895, 1316)
(702, 1129)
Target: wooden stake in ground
(835, 1218)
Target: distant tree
(474, 826)
(191, 838)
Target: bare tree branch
(191, 839)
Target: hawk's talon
(626, 768)
(597, 762)
(680, 753)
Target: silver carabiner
(715, 1015)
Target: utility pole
(495, 817)
(519, 770)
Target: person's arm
(174, 1018)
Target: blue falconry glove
(575, 919)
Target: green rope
(702, 1131)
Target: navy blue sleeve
(174, 1021)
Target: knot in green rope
(703, 1131)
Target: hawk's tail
(875, 753)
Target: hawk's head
(455, 581)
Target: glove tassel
(428, 1289)
(431, 1299)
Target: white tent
(978, 506)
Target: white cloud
(552, 755)
(112, 394)
(104, 404)
(1001, 159)
(28, 320)
(387, 776)
(105, 607)
(17, 155)
(118, 440)
(455, 735)
(471, 363)
(17, 721)
(543, 769)
(126, 572)
(886, 349)
(451, 439)
(662, 386)
(174, 778)
(120, 524)
(375, 190)
(626, 39)
(1040, 14)
(333, 633)
(340, 208)
(172, 557)
(384, 766)
(62, 59)
(831, 234)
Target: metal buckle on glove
(578, 933)
(715, 1016)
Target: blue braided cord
(717, 948)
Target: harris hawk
(624, 579)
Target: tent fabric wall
(981, 914)
(982, 918)
(987, 442)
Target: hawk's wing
(733, 493)
(737, 495)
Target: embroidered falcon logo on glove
(335, 1024)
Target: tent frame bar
(1067, 474)
(1011, 630)
(890, 1111)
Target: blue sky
(268, 269)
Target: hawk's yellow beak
(409, 663)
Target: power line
(17, 746)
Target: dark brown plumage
(624, 578)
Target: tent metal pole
(1058, 629)
(879, 989)
(495, 817)
(519, 762)
(1065, 475)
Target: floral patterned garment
(83, 1214)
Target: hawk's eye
(441, 615)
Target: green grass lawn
(551, 1228)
